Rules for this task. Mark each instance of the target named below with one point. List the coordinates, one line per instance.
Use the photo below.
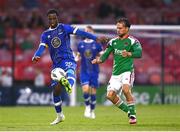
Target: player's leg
(93, 102)
(116, 100)
(127, 80)
(86, 96)
(69, 81)
(94, 85)
(84, 79)
(113, 88)
(69, 66)
(130, 102)
(57, 104)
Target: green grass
(151, 117)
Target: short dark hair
(125, 21)
(52, 11)
(90, 27)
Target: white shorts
(116, 82)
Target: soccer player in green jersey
(124, 48)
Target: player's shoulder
(133, 39)
(45, 33)
(111, 41)
(49, 30)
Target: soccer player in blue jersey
(57, 40)
(88, 50)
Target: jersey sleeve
(69, 29)
(74, 30)
(107, 52)
(43, 40)
(39, 51)
(85, 34)
(99, 47)
(42, 46)
(136, 50)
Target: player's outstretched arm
(85, 34)
(101, 39)
(38, 53)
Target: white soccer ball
(57, 74)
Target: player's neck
(124, 36)
(52, 28)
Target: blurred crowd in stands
(32, 13)
(22, 22)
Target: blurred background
(22, 22)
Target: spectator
(36, 20)
(6, 78)
(39, 80)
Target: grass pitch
(151, 117)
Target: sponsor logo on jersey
(56, 42)
(118, 52)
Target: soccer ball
(57, 74)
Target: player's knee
(126, 89)
(93, 90)
(85, 88)
(111, 95)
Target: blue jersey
(88, 51)
(58, 42)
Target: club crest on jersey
(56, 42)
(126, 43)
(88, 54)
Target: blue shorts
(67, 66)
(89, 79)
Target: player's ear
(127, 29)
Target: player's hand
(126, 53)
(102, 40)
(77, 56)
(96, 61)
(35, 59)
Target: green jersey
(116, 46)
